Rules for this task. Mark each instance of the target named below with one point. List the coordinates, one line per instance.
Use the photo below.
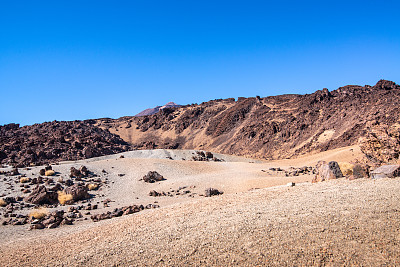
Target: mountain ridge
(273, 127)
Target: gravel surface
(331, 223)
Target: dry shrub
(38, 213)
(93, 186)
(24, 180)
(49, 173)
(346, 168)
(65, 198)
(2, 203)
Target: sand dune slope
(331, 223)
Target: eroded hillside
(273, 127)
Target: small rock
(212, 192)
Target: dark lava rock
(9, 200)
(154, 193)
(212, 192)
(42, 195)
(81, 173)
(360, 171)
(120, 211)
(152, 177)
(78, 192)
(334, 167)
(48, 142)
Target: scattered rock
(83, 172)
(154, 193)
(121, 211)
(204, 156)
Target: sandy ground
(337, 222)
(331, 223)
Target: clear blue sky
(67, 60)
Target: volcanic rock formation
(55, 141)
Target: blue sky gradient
(67, 60)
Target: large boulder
(42, 195)
(78, 192)
(327, 171)
(152, 177)
(360, 171)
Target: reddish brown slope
(271, 127)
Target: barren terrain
(258, 220)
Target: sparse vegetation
(346, 168)
(93, 186)
(49, 173)
(39, 213)
(24, 180)
(2, 203)
(64, 198)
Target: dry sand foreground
(330, 223)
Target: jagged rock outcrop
(56, 141)
(381, 144)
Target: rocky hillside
(273, 127)
(56, 141)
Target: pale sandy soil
(331, 223)
(234, 174)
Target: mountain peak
(151, 111)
